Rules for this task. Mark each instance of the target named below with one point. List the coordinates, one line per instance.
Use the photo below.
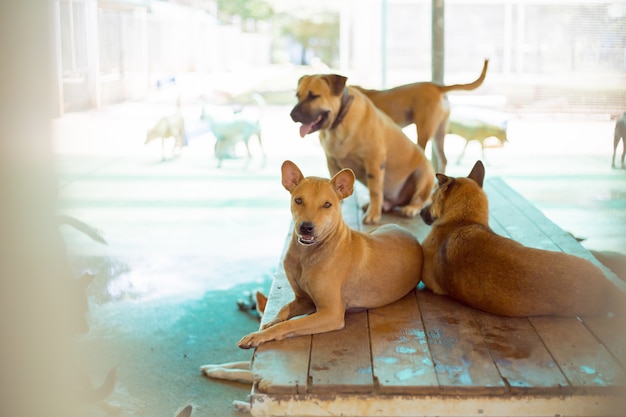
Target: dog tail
(471, 86)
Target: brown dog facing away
(426, 105)
(355, 134)
(332, 268)
(465, 259)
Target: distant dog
(426, 105)
(356, 134)
(619, 135)
(476, 130)
(236, 129)
(465, 259)
(172, 126)
(332, 268)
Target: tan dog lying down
(332, 268)
(426, 105)
(465, 259)
(355, 134)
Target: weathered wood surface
(430, 355)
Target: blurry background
(187, 239)
(552, 55)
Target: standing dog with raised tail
(425, 104)
(465, 259)
(332, 268)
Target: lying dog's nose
(425, 215)
(306, 228)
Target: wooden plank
(441, 405)
(586, 363)
(400, 355)
(610, 331)
(340, 360)
(520, 355)
(513, 218)
(281, 366)
(461, 357)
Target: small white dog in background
(232, 129)
(172, 126)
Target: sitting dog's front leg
(375, 182)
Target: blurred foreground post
(35, 347)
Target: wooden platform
(427, 355)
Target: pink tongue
(305, 129)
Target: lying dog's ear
(444, 180)
(291, 175)
(478, 173)
(337, 83)
(343, 182)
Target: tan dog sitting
(357, 135)
(426, 105)
(332, 268)
(465, 259)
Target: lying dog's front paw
(253, 340)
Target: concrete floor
(186, 239)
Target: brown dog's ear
(478, 173)
(443, 180)
(291, 175)
(337, 83)
(343, 182)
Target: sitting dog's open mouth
(306, 239)
(315, 125)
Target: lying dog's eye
(312, 96)
(298, 200)
(327, 205)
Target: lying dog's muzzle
(306, 234)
